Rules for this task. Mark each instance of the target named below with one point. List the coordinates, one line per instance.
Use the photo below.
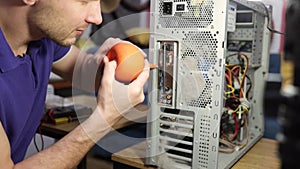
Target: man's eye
(84, 2)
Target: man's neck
(13, 23)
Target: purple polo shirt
(23, 87)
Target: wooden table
(135, 115)
(262, 155)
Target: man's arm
(113, 100)
(68, 151)
(5, 160)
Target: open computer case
(206, 97)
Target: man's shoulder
(50, 45)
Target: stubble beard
(52, 25)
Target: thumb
(109, 70)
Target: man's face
(64, 20)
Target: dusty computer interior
(206, 98)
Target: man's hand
(114, 98)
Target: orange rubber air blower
(130, 61)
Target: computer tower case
(206, 98)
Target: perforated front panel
(200, 48)
(204, 135)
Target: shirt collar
(8, 60)
(7, 57)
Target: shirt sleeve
(60, 52)
(55, 50)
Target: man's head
(62, 20)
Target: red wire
(51, 114)
(236, 130)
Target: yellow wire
(241, 112)
(231, 91)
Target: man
(32, 36)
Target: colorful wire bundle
(235, 116)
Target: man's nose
(94, 15)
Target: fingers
(107, 45)
(116, 97)
(99, 58)
(143, 77)
(101, 55)
(109, 70)
(104, 48)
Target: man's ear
(30, 2)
